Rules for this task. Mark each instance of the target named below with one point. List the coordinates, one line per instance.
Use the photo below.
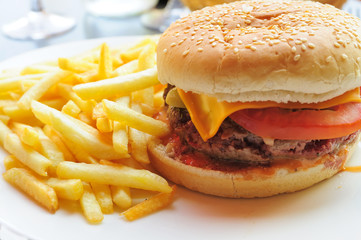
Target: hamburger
(262, 97)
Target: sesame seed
(344, 56)
(165, 50)
(235, 50)
(293, 49)
(303, 47)
(214, 44)
(297, 57)
(311, 45)
(173, 44)
(329, 59)
(337, 45)
(253, 48)
(200, 49)
(185, 53)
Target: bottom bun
(253, 181)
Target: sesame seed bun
(199, 4)
(280, 51)
(252, 182)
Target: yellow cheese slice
(207, 113)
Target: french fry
(50, 150)
(154, 203)
(7, 102)
(120, 131)
(125, 69)
(35, 188)
(135, 120)
(71, 109)
(12, 84)
(111, 175)
(158, 99)
(5, 119)
(147, 57)
(38, 68)
(134, 51)
(28, 156)
(70, 189)
(10, 161)
(138, 141)
(79, 153)
(75, 130)
(121, 196)
(138, 144)
(145, 96)
(51, 134)
(4, 131)
(105, 62)
(76, 66)
(27, 134)
(88, 76)
(90, 205)
(104, 125)
(66, 91)
(120, 139)
(103, 196)
(39, 89)
(98, 112)
(56, 103)
(18, 114)
(117, 86)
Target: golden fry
(75, 66)
(4, 131)
(70, 189)
(135, 120)
(10, 161)
(40, 88)
(28, 156)
(104, 125)
(154, 203)
(111, 175)
(125, 69)
(71, 109)
(37, 69)
(35, 188)
(54, 136)
(105, 62)
(121, 196)
(90, 205)
(103, 196)
(117, 86)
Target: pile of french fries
(77, 129)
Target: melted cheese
(207, 113)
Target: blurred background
(89, 19)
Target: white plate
(329, 210)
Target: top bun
(199, 4)
(282, 51)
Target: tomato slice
(307, 124)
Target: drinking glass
(38, 24)
(160, 19)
